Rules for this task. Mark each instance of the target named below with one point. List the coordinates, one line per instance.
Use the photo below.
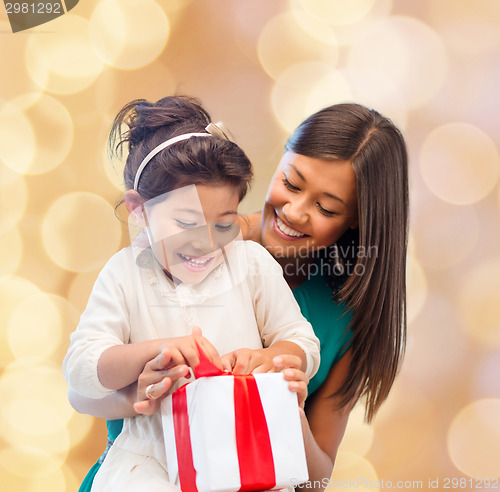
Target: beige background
(433, 66)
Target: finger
(228, 361)
(161, 361)
(210, 351)
(189, 353)
(179, 355)
(145, 407)
(295, 375)
(175, 373)
(242, 363)
(287, 360)
(263, 368)
(196, 331)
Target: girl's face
(188, 228)
(309, 205)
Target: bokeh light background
(433, 66)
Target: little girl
(189, 268)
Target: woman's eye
(289, 185)
(185, 225)
(328, 213)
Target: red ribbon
(253, 445)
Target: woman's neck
(296, 270)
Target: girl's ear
(133, 202)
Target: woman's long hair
(376, 290)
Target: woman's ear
(133, 202)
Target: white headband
(214, 130)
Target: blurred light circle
(53, 132)
(17, 139)
(352, 468)
(29, 384)
(35, 327)
(337, 13)
(474, 439)
(459, 163)
(80, 289)
(436, 345)
(284, 43)
(13, 290)
(55, 443)
(375, 90)
(129, 34)
(408, 445)
(402, 49)
(155, 81)
(62, 61)
(486, 380)
(479, 302)
(467, 27)
(80, 231)
(79, 427)
(315, 27)
(445, 235)
(32, 469)
(113, 167)
(12, 51)
(350, 34)
(417, 288)
(358, 436)
(298, 90)
(330, 89)
(11, 251)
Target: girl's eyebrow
(197, 212)
(300, 175)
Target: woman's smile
(284, 230)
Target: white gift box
(215, 448)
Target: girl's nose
(203, 239)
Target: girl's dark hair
(210, 160)
(377, 297)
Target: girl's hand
(158, 376)
(171, 364)
(246, 361)
(184, 350)
(290, 366)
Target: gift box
(230, 433)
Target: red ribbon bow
(253, 445)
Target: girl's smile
(189, 226)
(196, 264)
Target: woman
(336, 218)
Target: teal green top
(329, 320)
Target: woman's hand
(158, 376)
(297, 379)
(246, 361)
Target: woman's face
(189, 227)
(309, 205)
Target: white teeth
(194, 261)
(287, 230)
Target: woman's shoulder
(256, 252)
(250, 226)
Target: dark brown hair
(377, 151)
(210, 160)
